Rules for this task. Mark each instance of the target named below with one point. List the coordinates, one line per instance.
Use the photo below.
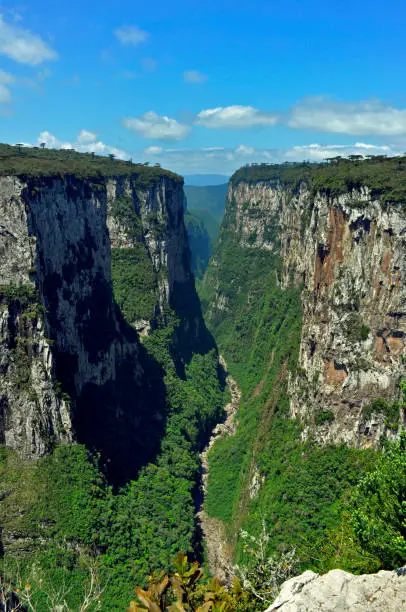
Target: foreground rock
(341, 591)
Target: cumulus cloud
(208, 159)
(194, 76)
(358, 118)
(131, 35)
(235, 117)
(23, 46)
(152, 125)
(371, 117)
(85, 137)
(83, 144)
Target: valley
(271, 391)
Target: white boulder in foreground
(340, 591)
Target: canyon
(109, 367)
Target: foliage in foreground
(255, 583)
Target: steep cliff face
(72, 367)
(347, 253)
(305, 295)
(159, 213)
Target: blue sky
(205, 87)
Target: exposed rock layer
(348, 253)
(339, 591)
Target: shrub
(326, 416)
(379, 507)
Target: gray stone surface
(339, 591)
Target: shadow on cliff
(191, 335)
(124, 419)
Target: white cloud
(82, 145)
(22, 46)
(100, 148)
(243, 150)
(49, 140)
(194, 76)
(151, 125)
(86, 137)
(235, 117)
(226, 160)
(358, 118)
(153, 150)
(131, 35)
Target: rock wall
(348, 254)
(341, 591)
(86, 374)
(163, 232)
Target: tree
(264, 573)
(43, 145)
(379, 507)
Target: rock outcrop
(347, 252)
(71, 367)
(339, 591)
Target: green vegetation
(385, 176)
(210, 223)
(355, 329)
(378, 507)
(134, 281)
(37, 162)
(63, 509)
(203, 215)
(390, 410)
(326, 416)
(25, 294)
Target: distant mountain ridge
(210, 197)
